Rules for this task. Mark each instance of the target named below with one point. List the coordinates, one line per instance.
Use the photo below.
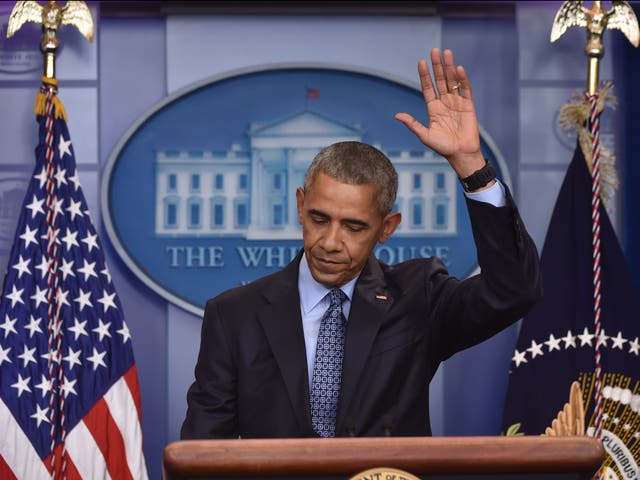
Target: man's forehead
(322, 178)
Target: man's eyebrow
(318, 213)
(355, 221)
(350, 221)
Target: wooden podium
(449, 457)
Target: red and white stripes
(106, 444)
(594, 128)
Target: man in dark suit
(338, 343)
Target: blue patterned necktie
(327, 370)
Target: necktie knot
(337, 297)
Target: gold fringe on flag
(41, 99)
(573, 117)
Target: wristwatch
(479, 178)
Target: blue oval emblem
(199, 195)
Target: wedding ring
(456, 86)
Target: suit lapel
(371, 299)
(282, 323)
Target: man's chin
(328, 278)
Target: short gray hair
(357, 163)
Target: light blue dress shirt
(314, 299)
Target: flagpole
(596, 20)
(51, 16)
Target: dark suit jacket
(251, 374)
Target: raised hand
(453, 127)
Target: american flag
(69, 394)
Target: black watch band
(479, 178)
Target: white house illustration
(251, 193)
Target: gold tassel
(41, 101)
(39, 108)
(573, 117)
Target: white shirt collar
(312, 292)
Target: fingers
(438, 71)
(448, 77)
(450, 73)
(428, 91)
(414, 125)
(465, 85)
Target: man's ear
(300, 202)
(389, 225)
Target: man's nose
(332, 240)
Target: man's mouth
(328, 262)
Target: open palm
(453, 127)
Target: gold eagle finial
(596, 20)
(51, 16)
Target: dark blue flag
(69, 396)
(556, 344)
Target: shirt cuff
(495, 195)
